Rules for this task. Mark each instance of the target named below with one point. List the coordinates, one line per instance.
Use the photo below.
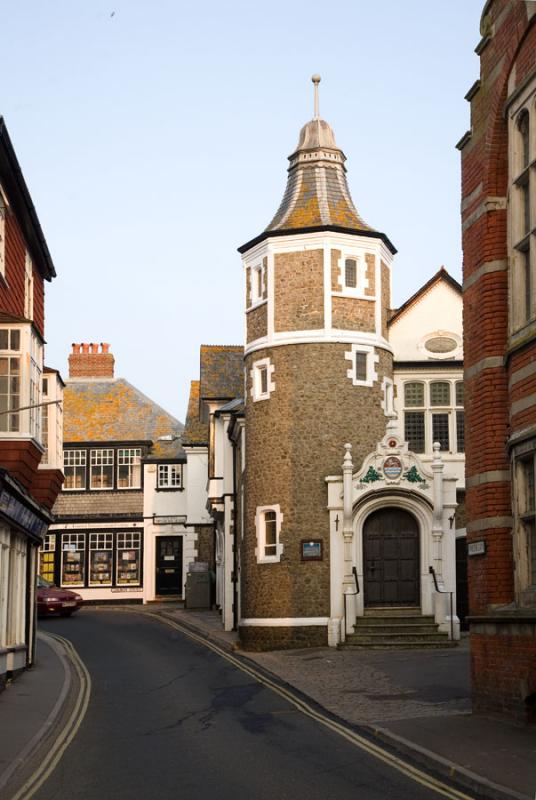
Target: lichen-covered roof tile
(195, 431)
(221, 372)
(106, 411)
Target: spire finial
(316, 80)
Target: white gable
(430, 329)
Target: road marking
(351, 736)
(68, 733)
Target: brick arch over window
(517, 56)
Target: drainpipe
(348, 533)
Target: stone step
(409, 644)
(433, 636)
(388, 628)
(409, 620)
(393, 611)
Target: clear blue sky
(154, 139)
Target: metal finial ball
(316, 78)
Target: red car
(51, 600)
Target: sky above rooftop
(154, 139)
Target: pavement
(416, 703)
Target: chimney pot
(85, 347)
(93, 348)
(105, 347)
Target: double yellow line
(75, 720)
(65, 738)
(351, 736)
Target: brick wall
(500, 659)
(502, 669)
(91, 361)
(352, 314)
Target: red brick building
(27, 493)
(499, 243)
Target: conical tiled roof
(317, 192)
(317, 197)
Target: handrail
(432, 572)
(353, 594)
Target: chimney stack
(91, 361)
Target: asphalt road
(170, 719)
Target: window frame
(168, 485)
(131, 465)
(261, 529)
(260, 368)
(432, 416)
(74, 450)
(372, 359)
(102, 466)
(524, 519)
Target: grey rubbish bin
(197, 594)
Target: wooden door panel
(391, 558)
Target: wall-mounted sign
(14, 510)
(476, 548)
(392, 468)
(311, 550)
(177, 520)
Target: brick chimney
(91, 361)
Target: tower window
(350, 273)
(361, 366)
(261, 379)
(268, 520)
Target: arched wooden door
(391, 559)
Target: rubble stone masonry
(299, 290)
(293, 441)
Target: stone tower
(318, 374)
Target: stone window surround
(388, 400)
(255, 372)
(454, 353)
(522, 181)
(428, 410)
(255, 298)
(523, 457)
(361, 270)
(372, 360)
(260, 528)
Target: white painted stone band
(285, 622)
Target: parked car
(51, 600)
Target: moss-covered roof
(195, 431)
(115, 411)
(221, 372)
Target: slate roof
(221, 372)
(195, 431)
(115, 411)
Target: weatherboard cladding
(113, 411)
